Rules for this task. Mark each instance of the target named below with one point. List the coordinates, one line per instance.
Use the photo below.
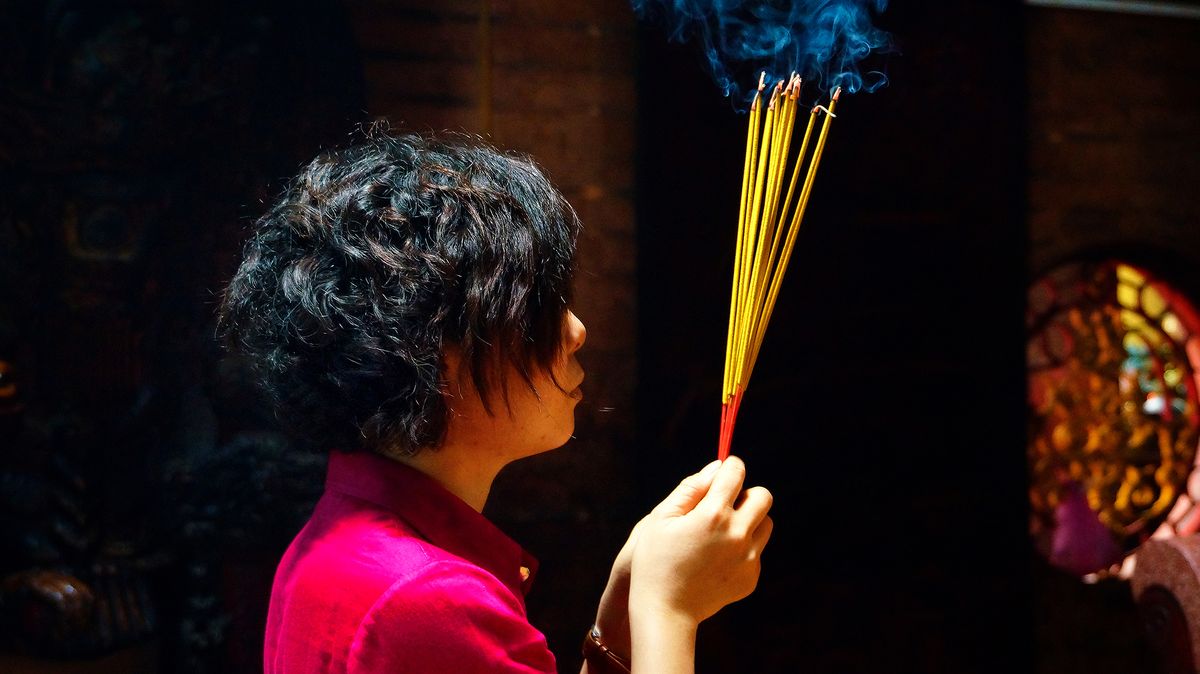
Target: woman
(407, 304)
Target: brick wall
(558, 82)
(1114, 137)
(1114, 169)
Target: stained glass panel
(1112, 354)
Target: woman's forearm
(653, 639)
(663, 642)
(612, 616)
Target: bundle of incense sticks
(767, 227)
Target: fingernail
(711, 468)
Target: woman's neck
(465, 471)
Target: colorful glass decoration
(1112, 355)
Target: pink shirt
(392, 573)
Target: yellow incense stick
(767, 228)
(801, 206)
(775, 161)
(741, 333)
(747, 172)
(765, 255)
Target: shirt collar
(434, 513)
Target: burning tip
(794, 85)
(762, 80)
(837, 92)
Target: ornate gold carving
(1114, 404)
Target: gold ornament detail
(1113, 400)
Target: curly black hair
(378, 257)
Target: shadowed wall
(1114, 164)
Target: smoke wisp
(823, 40)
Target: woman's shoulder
(451, 615)
(353, 545)
(450, 583)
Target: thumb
(690, 491)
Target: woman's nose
(576, 332)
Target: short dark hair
(379, 256)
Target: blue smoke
(823, 40)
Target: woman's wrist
(612, 616)
(600, 658)
(663, 639)
(660, 615)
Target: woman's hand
(696, 552)
(612, 617)
(700, 549)
(686, 495)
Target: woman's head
(381, 258)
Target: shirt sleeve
(450, 617)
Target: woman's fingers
(690, 492)
(763, 534)
(726, 485)
(699, 550)
(752, 507)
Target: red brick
(1114, 133)
(604, 252)
(612, 212)
(548, 91)
(515, 44)
(593, 47)
(429, 38)
(403, 79)
(617, 12)
(576, 149)
(365, 11)
(607, 300)
(422, 117)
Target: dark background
(886, 414)
(886, 409)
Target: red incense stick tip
(723, 436)
(837, 92)
(729, 412)
(762, 80)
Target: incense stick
(766, 236)
(749, 169)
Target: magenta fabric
(392, 573)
